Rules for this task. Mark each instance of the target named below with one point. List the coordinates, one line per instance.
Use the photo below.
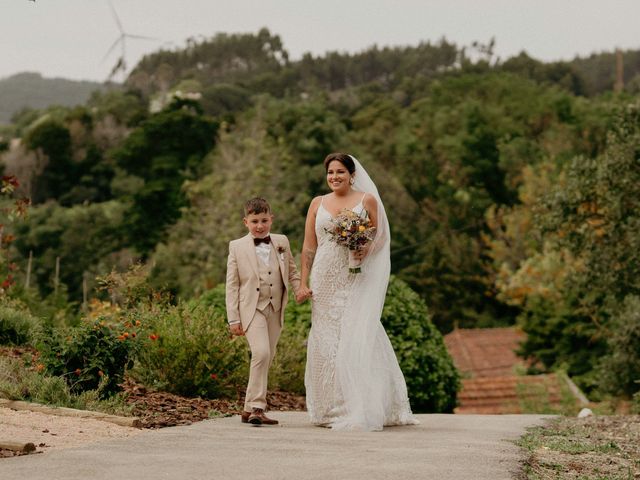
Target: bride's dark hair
(343, 158)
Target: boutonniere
(281, 251)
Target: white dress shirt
(263, 251)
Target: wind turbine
(121, 64)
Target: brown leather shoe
(258, 417)
(244, 417)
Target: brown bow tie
(258, 241)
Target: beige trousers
(263, 334)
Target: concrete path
(442, 447)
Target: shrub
(620, 367)
(17, 325)
(93, 355)
(188, 351)
(20, 383)
(635, 404)
(287, 371)
(432, 379)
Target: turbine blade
(112, 48)
(116, 68)
(115, 16)
(141, 37)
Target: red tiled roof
(485, 352)
(486, 359)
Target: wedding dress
(352, 379)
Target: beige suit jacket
(243, 277)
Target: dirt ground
(154, 409)
(52, 432)
(598, 447)
(162, 409)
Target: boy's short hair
(256, 206)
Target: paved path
(442, 447)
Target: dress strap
(362, 199)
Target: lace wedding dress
(352, 379)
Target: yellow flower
(361, 228)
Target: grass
(18, 382)
(537, 397)
(593, 448)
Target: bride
(352, 377)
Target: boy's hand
(303, 294)
(236, 329)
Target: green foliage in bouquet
(432, 379)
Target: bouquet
(352, 231)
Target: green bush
(17, 325)
(635, 405)
(620, 367)
(432, 379)
(287, 371)
(560, 337)
(17, 382)
(188, 351)
(214, 300)
(93, 355)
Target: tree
(164, 151)
(592, 214)
(248, 161)
(82, 236)
(59, 175)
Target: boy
(259, 267)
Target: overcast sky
(69, 38)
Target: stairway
(487, 360)
(510, 394)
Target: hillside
(32, 90)
(227, 67)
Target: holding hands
(303, 294)
(236, 329)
